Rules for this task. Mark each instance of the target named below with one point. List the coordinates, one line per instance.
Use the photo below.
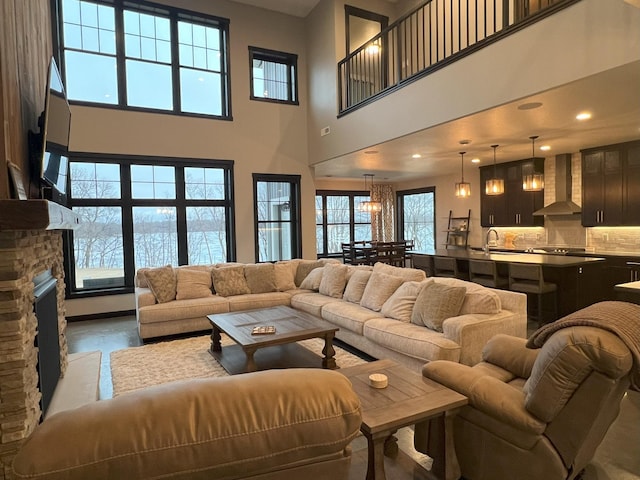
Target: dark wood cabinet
(493, 208)
(515, 207)
(611, 185)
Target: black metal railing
(435, 34)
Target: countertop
(514, 257)
(595, 253)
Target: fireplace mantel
(36, 215)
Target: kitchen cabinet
(515, 207)
(611, 185)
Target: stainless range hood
(563, 204)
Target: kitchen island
(578, 278)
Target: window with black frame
(139, 55)
(146, 212)
(277, 217)
(416, 218)
(339, 220)
(274, 76)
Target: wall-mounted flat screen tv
(55, 124)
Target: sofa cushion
(411, 340)
(261, 277)
(162, 282)
(304, 268)
(258, 300)
(229, 281)
(407, 274)
(140, 279)
(311, 302)
(400, 304)
(334, 279)
(285, 273)
(183, 309)
(379, 288)
(356, 285)
(312, 281)
(435, 303)
(478, 299)
(348, 316)
(193, 283)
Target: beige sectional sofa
(384, 311)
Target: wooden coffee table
(408, 399)
(277, 350)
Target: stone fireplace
(24, 255)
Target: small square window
(274, 76)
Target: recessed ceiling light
(416, 155)
(529, 106)
(370, 152)
(475, 160)
(545, 148)
(465, 142)
(583, 116)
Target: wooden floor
(617, 458)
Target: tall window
(144, 56)
(146, 212)
(274, 76)
(416, 218)
(338, 220)
(277, 217)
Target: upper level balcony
(428, 38)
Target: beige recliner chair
(271, 425)
(535, 414)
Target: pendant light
(463, 189)
(533, 182)
(495, 185)
(369, 206)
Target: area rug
(153, 364)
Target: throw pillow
(379, 288)
(436, 303)
(334, 279)
(230, 281)
(141, 280)
(285, 275)
(312, 281)
(162, 282)
(261, 277)
(400, 304)
(192, 283)
(356, 285)
(407, 274)
(479, 299)
(304, 268)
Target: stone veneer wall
(23, 255)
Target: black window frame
(283, 58)
(294, 182)
(400, 209)
(127, 203)
(352, 194)
(174, 15)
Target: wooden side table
(409, 398)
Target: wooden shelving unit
(458, 231)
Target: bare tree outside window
(417, 218)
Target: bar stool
(445, 267)
(530, 280)
(485, 272)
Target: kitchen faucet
(486, 245)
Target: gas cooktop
(556, 250)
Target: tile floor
(617, 458)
